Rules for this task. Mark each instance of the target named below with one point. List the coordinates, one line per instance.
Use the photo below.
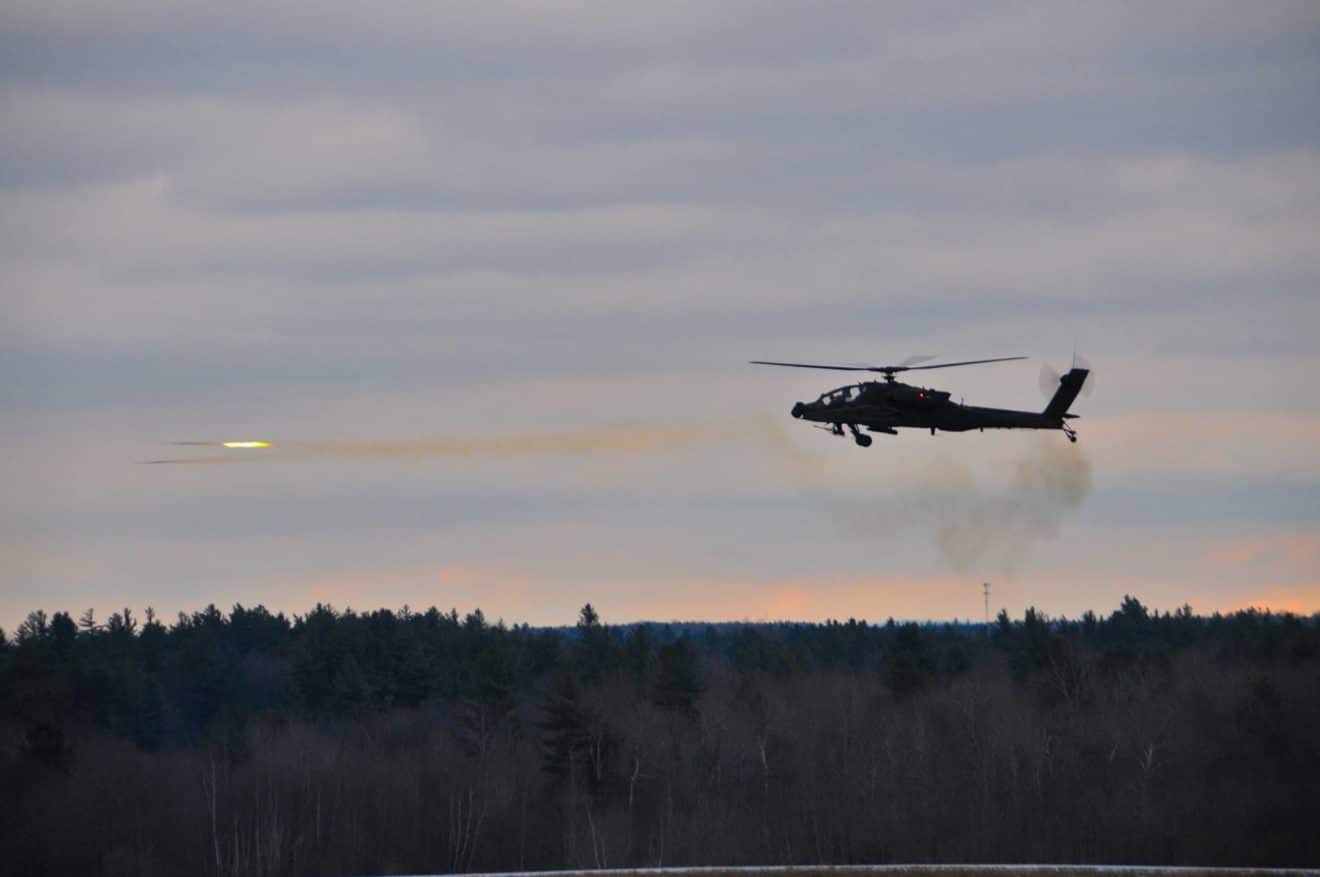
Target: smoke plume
(987, 524)
(996, 528)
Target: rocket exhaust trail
(247, 444)
(631, 440)
(231, 444)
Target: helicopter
(884, 406)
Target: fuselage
(884, 406)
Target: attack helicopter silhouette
(888, 405)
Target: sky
(489, 276)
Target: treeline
(390, 742)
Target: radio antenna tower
(985, 586)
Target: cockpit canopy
(841, 396)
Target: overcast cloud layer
(562, 226)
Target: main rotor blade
(912, 368)
(885, 369)
(837, 368)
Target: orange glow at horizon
(514, 594)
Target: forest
(339, 742)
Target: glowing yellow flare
(246, 444)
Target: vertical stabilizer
(1069, 386)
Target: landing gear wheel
(1071, 434)
(863, 440)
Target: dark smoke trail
(996, 529)
(987, 528)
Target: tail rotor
(1050, 378)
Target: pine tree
(678, 678)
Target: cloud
(390, 223)
(1223, 445)
(1277, 560)
(130, 262)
